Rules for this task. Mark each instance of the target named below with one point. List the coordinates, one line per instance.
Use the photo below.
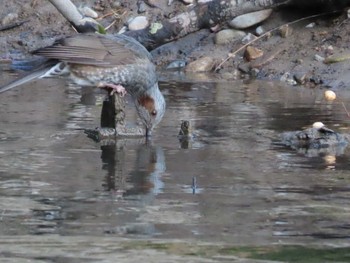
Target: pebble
(188, 2)
(311, 25)
(230, 75)
(141, 7)
(316, 80)
(259, 30)
(244, 67)
(317, 125)
(250, 19)
(252, 53)
(300, 77)
(227, 36)
(329, 50)
(285, 31)
(9, 18)
(319, 58)
(153, 3)
(248, 38)
(330, 95)
(138, 23)
(254, 72)
(116, 4)
(286, 78)
(87, 11)
(201, 65)
(176, 64)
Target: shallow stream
(225, 196)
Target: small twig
(111, 14)
(111, 24)
(342, 103)
(105, 15)
(232, 54)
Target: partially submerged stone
(330, 95)
(185, 135)
(318, 139)
(185, 130)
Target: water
(65, 197)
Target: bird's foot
(114, 89)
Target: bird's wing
(97, 50)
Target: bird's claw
(119, 89)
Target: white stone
(311, 25)
(228, 36)
(259, 30)
(318, 125)
(319, 58)
(250, 19)
(138, 23)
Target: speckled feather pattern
(136, 78)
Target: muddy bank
(295, 57)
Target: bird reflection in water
(145, 176)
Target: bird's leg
(115, 88)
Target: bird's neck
(143, 77)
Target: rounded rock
(138, 23)
(317, 125)
(259, 30)
(227, 36)
(252, 53)
(188, 2)
(250, 19)
(201, 65)
(330, 95)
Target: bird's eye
(154, 113)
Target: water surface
(66, 197)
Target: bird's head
(150, 106)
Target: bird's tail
(26, 78)
(46, 69)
